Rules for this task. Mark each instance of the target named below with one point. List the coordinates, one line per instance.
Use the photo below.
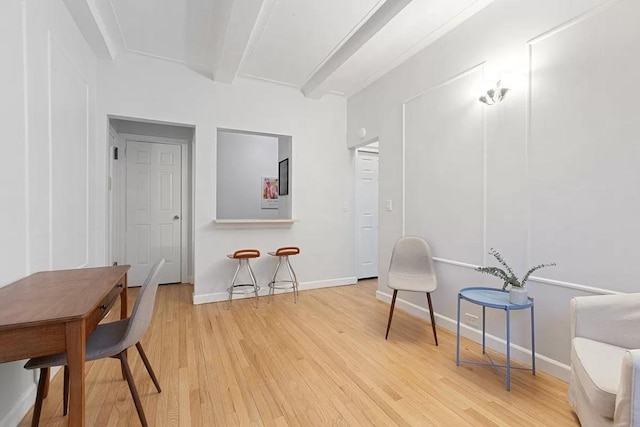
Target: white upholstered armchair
(605, 360)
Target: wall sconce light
(494, 95)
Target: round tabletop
(492, 297)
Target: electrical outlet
(389, 205)
(470, 319)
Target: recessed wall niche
(248, 179)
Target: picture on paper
(269, 193)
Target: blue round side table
(495, 298)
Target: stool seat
(287, 250)
(244, 253)
(243, 256)
(283, 254)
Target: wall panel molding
(25, 91)
(58, 57)
(572, 22)
(480, 67)
(543, 280)
(531, 45)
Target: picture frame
(269, 192)
(283, 177)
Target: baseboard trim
(521, 354)
(23, 405)
(264, 291)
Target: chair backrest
(143, 308)
(412, 256)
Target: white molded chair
(411, 269)
(605, 360)
(109, 340)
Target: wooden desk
(55, 311)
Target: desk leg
(508, 350)
(533, 343)
(458, 335)
(123, 299)
(75, 337)
(124, 313)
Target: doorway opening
(366, 198)
(151, 198)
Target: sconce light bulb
(494, 95)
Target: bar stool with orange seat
(243, 256)
(283, 257)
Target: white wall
(48, 86)
(284, 200)
(548, 175)
(136, 86)
(242, 160)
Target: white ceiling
(318, 46)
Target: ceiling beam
(243, 19)
(99, 26)
(313, 87)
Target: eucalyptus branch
(537, 267)
(508, 276)
(497, 255)
(494, 271)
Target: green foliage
(509, 276)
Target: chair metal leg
(393, 304)
(148, 366)
(65, 397)
(132, 388)
(37, 408)
(433, 319)
(233, 281)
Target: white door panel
(153, 210)
(367, 214)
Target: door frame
(187, 200)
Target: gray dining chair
(109, 340)
(411, 269)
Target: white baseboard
(264, 291)
(25, 402)
(521, 354)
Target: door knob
(176, 217)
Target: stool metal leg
(292, 272)
(272, 283)
(233, 282)
(292, 275)
(253, 279)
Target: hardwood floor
(321, 362)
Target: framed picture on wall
(283, 177)
(269, 193)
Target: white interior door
(154, 218)
(367, 214)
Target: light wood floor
(321, 362)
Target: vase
(518, 296)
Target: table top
(492, 297)
(56, 295)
